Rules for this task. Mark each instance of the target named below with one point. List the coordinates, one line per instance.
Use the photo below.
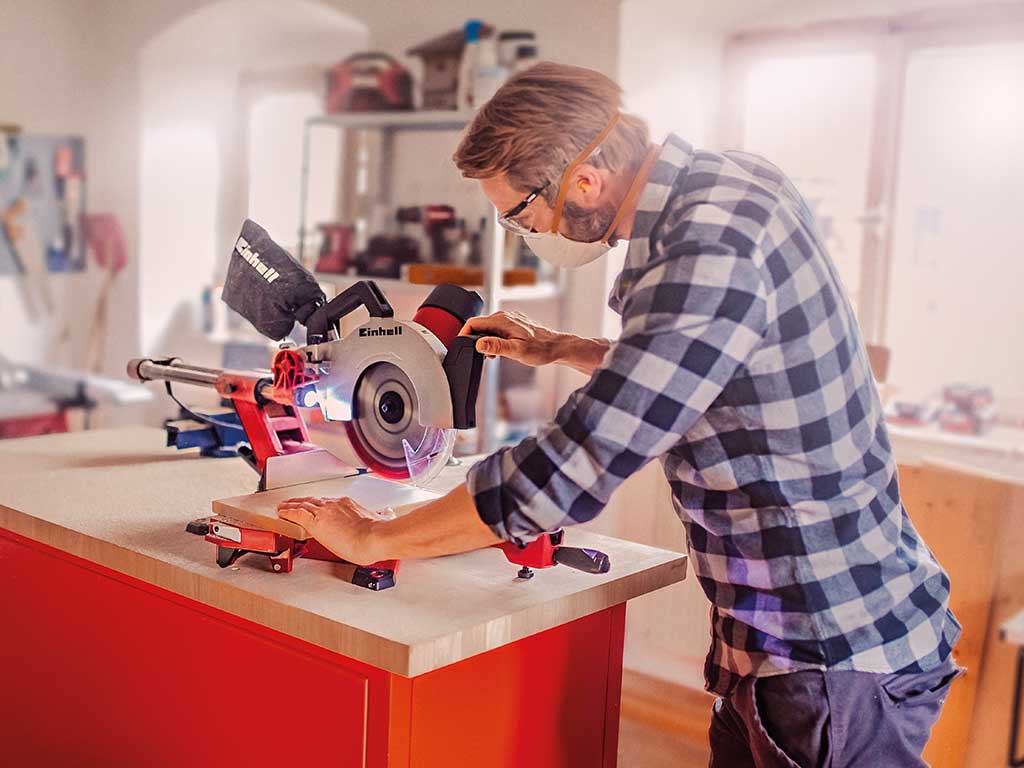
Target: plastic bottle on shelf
(476, 243)
(489, 73)
(468, 64)
(526, 57)
(462, 251)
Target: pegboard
(29, 171)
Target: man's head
(533, 128)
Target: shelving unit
(422, 120)
(494, 293)
(538, 292)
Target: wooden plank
(990, 725)
(121, 499)
(374, 493)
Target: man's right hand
(517, 337)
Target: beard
(587, 225)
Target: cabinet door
(100, 669)
(961, 518)
(548, 701)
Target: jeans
(813, 719)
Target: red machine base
(234, 539)
(98, 668)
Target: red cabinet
(101, 669)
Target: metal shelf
(538, 292)
(421, 120)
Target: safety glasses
(508, 221)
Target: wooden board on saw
(372, 492)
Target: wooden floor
(642, 745)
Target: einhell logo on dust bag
(268, 273)
(396, 331)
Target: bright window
(955, 311)
(798, 111)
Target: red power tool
(368, 82)
(399, 390)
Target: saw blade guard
(388, 429)
(421, 463)
(431, 456)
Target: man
(740, 367)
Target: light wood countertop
(997, 455)
(121, 499)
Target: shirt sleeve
(689, 321)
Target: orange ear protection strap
(563, 188)
(639, 181)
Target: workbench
(123, 643)
(965, 495)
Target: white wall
(43, 88)
(81, 67)
(193, 172)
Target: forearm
(443, 527)
(579, 353)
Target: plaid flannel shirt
(740, 366)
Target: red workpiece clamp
(234, 539)
(546, 551)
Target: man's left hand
(341, 525)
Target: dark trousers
(829, 720)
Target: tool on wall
(336, 249)
(397, 389)
(8, 144)
(436, 220)
(30, 258)
(106, 240)
(69, 184)
(386, 255)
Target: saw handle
(463, 366)
(547, 550)
(324, 319)
(586, 560)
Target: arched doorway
(203, 81)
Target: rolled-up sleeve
(688, 322)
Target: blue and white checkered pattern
(740, 366)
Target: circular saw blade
(385, 430)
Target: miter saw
(397, 389)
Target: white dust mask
(564, 253)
